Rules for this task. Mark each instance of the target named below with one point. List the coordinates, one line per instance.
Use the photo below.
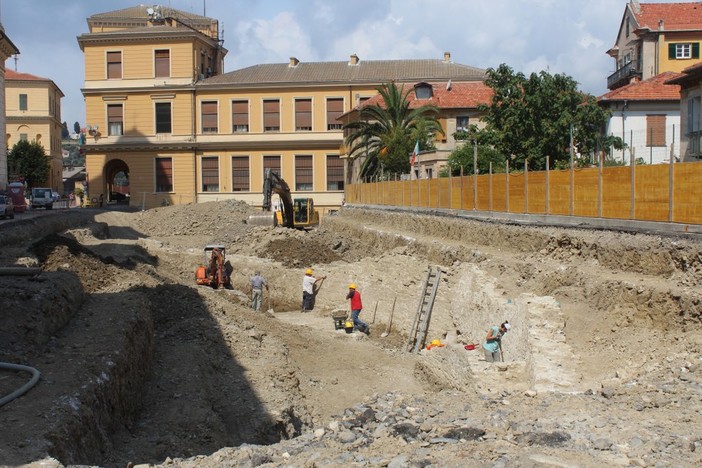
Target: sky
(559, 36)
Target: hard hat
(352, 286)
(308, 271)
(436, 342)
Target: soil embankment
(603, 364)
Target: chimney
(354, 59)
(661, 25)
(293, 62)
(447, 57)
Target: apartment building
(655, 41)
(654, 38)
(7, 49)
(33, 113)
(458, 105)
(160, 110)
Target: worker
(257, 284)
(493, 342)
(309, 290)
(356, 306)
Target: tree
(28, 161)
(64, 130)
(76, 127)
(462, 157)
(532, 117)
(385, 134)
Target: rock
(346, 437)
(602, 444)
(399, 461)
(530, 393)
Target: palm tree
(385, 133)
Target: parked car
(7, 208)
(55, 196)
(117, 196)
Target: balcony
(623, 76)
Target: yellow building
(33, 113)
(160, 110)
(654, 38)
(7, 48)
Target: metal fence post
(507, 186)
(547, 188)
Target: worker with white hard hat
(309, 291)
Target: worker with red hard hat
(356, 306)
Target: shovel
(387, 330)
(268, 301)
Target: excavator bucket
(263, 219)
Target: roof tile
(675, 16)
(652, 89)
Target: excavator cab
(304, 214)
(215, 271)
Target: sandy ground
(140, 365)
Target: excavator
(298, 213)
(215, 273)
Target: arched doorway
(116, 174)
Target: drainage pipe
(24, 388)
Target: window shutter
(162, 63)
(209, 117)
(671, 51)
(240, 112)
(303, 114)
(271, 115)
(695, 50)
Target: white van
(41, 198)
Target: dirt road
(139, 365)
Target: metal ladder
(418, 334)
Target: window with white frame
(684, 50)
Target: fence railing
(662, 192)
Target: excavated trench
(138, 365)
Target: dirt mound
(298, 253)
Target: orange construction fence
(662, 192)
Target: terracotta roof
(675, 16)
(652, 89)
(458, 96)
(690, 75)
(368, 71)
(13, 75)
(139, 13)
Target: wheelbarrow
(339, 316)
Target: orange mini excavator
(215, 273)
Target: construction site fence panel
(660, 192)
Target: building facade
(160, 110)
(7, 49)
(33, 113)
(654, 38)
(458, 104)
(646, 116)
(690, 82)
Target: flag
(415, 152)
